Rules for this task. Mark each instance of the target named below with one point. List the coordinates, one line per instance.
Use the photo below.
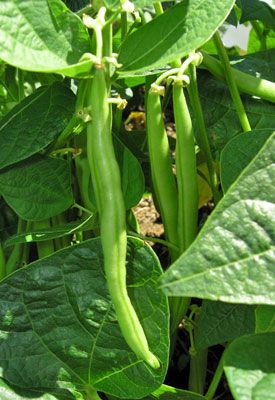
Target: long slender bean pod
(164, 182)
(185, 169)
(187, 188)
(107, 185)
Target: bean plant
(88, 309)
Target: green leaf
(255, 44)
(76, 5)
(265, 319)
(165, 392)
(35, 122)
(256, 10)
(170, 393)
(238, 153)
(220, 322)
(59, 329)
(37, 188)
(53, 232)
(232, 259)
(132, 178)
(220, 113)
(260, 64)
(174, 34)
(46, 37)
(8, 392)
(249, 364)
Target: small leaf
(174, 34)
(165, 392)
(232, 259)
(46, 37)
(58, 328)
(37, 188)
(170, 393)
(220, 322)
(265, 319)
(35, 122)
(249, 364)
(238, 153)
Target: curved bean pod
(107, 185)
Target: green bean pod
(164, 182)
(107, 186)
(185, 170)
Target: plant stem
(197, 372)
(158, 8)
(245, 82)
(202, 134)
(2, 262)
(231, 83)
(155, 240)
(215, 381)
(92, 394)
(15, 258)
(124, 25)
(46, 247)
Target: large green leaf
(35, 123)
(37, 188)
(249, 365)
(233, 257)
(220, 322)
(256, 10)
(265, 318)
(59, 329)
(9, 392)
(43, 36)
(238, 153)
(220, 113)
(174, 34)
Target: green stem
(215, 381)
(2, 262)
(92, 394)
(46, 247)
(197, 374)
(15, 258)
(154, 240)
(67, 132)
(231, 83)
(246, 83)
(202, 134)
(124, 25)
(158, 8)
